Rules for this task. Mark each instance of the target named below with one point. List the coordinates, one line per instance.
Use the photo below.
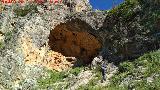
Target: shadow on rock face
(73, 39)
(126, 40)
(1, 33)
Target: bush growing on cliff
(49, 81)
(8, 36)
(133, 29)
(1, 45)
(55, 77)
(23, 11)
(141, 74)
(76, 70)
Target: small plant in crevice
(8, 36)
(23, 11)
(1, 45)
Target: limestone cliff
(56, 36)
(34, 36)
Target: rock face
(43, 36)
(56, 61)
(51, 59)
(131, 32)
(27, 33)
(72, 40)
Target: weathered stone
(72, 40)
(70, 31)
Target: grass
(75, 71)
(136, 71)
(93, 82)
(53, 77)
(131, 75)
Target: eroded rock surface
(72, 40)
(70, 31)
(25, 53)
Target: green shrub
(25, 10)
(8, 36)
(53, 77)
(1, 45)
(126, 66)
(150, 62)
(76, 70)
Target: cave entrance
(73, 39)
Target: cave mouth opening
(73, 39)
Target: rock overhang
(75, 38)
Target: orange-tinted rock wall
(71, 42)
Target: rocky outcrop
(73, 39)
(131, 31)
(34, 38)
(26, 37)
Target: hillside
(47, 46)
